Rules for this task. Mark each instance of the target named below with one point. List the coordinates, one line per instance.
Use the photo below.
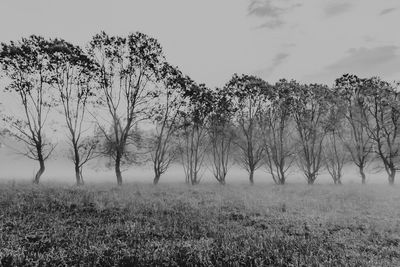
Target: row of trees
(139, 106)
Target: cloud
(269, 10)
(369, 39)
(336, 8)
(276, 62)
(272, 24)
(279, 58)
(366, 59)
(387, 11)
(264, 9)
(365, 62)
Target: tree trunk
(281, 178)
(80, 172)
(311, 179)
(251, 176)
(195, 180)
(77, 161)
(78, 175)
(363, 177)
(156, 178)
(338, 180)
(118, 168)
(392, 174)
(40, 171)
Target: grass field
(205, 225)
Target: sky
(309, 40)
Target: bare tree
(168, 106)
(277, 126)
(310, 119)
(355, 136)
(248, 99)
(72, 74)
(127, 65)
(383, 128)
(25, 64)
(221, 135)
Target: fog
(60, 169)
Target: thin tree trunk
(392, 175)
(363, 177)
(311, 179)
(118, 168)
(156, 178)
(78, 175)
(282, 177)
(40, 171)
(337, 180)
(251, 176)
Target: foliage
(335, 155)
(312, 125)
(193, 129)
(221, 134)
(127, 66)
(277, 128)
(26, 65)
(383, 128)
(168, 107)
(248, 99)
(128, 87)
(351, 90)
(72, 74)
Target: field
(205, 225)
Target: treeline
(141, 108)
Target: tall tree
(127, 66)
(221, 134)
(277, 125)
(335, 153)
(25, 64)
(168, 107)
(71, 74)
(310, 118)
(384, 127)
(355, 136)
(248, 99)
(193, 129)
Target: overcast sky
(310, 40)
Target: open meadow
(204, 225)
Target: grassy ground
(206, 225)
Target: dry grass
(206, 225)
